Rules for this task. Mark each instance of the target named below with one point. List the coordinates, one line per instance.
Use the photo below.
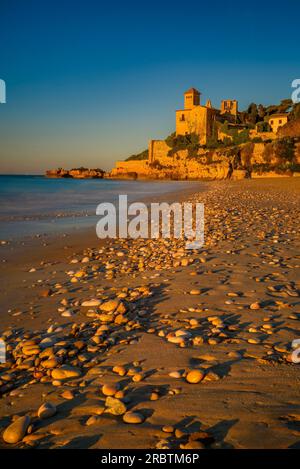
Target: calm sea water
(31, 205)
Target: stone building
(195, 118)
(229, 106)
(277, 120)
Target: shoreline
(243, 400)
(61, 219)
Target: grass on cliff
(139, 156)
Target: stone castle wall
(123, 168)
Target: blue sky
(89, 82)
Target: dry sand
(173, 311)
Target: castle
(206, 122)
(193, 119)
(198, 119)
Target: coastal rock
(77, 173)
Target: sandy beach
(143, 344)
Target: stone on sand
(194, 376)
(65, 372)
(90, 303)
(110, 389)
(46, 410)
(16, 431)
(115, 406)
(109, 306)
(133, 417)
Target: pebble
(168, 429)
(93, 420)
(109, 306)
(67, 314)
(46, 410)
(115, 406)
(255, 306)
(133, 417)
(110, 389)
(16, 431)
(65, 372)
(120, 370)
(194, 376)
(90, 303)
(192, 445)
(67, 394)
(46, 293)
(175, 374)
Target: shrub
(283, 168)
(237, 136)
(263, 126)
(246, 153)
(257, 140)
(188, 142)
(157, 165)
(140, 156)
(284, 149)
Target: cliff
(280, 157)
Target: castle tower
(191, 98)
(208, 103)
(229, 106)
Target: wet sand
(229, 311)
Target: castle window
(280, 121)
(182, 118)
(272, 122)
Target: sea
(40, 206)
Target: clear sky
(91, 81)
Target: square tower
(191, 98)
(229, 106)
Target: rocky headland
(77, 173)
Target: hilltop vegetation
(143, 155)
